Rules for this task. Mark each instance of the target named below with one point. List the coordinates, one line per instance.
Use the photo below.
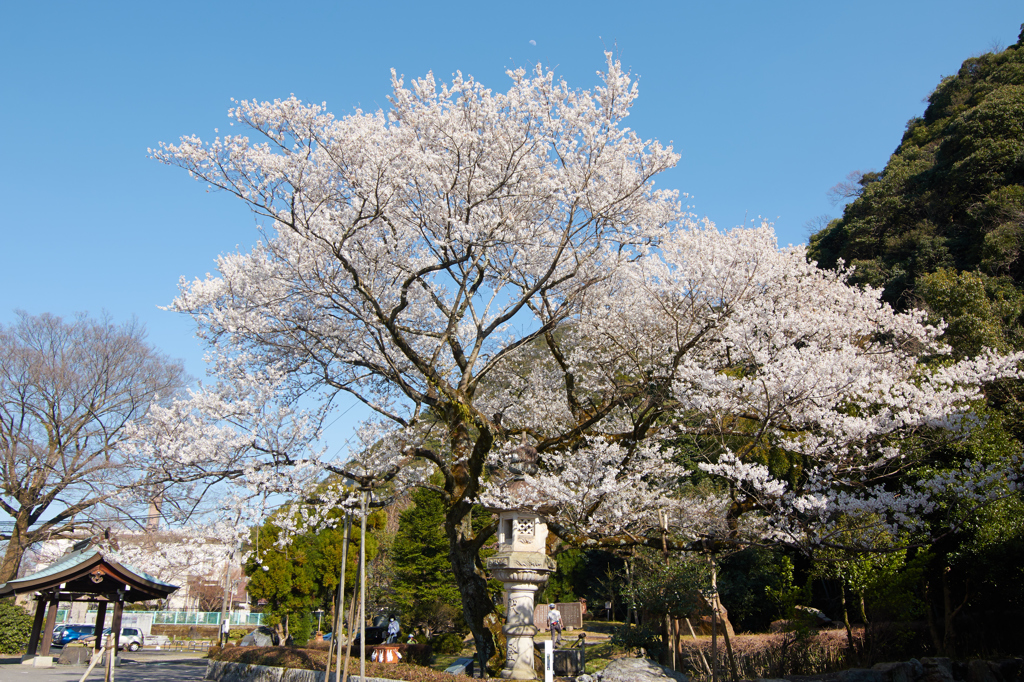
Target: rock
(75, 655)
(909, 671)
(461, 666)
(639, 670)
(861, 675)
(257, 638)
(813, 615)
(983, 671)
(937, 670)
(1009, 668)
(585, 678)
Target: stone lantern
(522, 565)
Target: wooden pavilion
(85, 575)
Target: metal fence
(204, 618)
(176, 617)
(140, 618)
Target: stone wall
(224, 671)
(937, 670)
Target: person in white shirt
(555, 624)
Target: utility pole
(362, 589)
(225, 625)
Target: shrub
(631, 637)
(420, 654)
(447, 644)
(15, 628)
(301, 628)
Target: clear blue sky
(769, 103)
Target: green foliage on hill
(952, 194)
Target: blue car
(65, 634)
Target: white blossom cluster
(490, 269)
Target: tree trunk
(716, 618)
(631, 607)
(933, 628)
(476, 601)
(846, 620)
(282, 629)
(16, 547)
(714, 647)
(950, 613)
(669, 640)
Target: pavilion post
(51, 622)
(115, 622)
(101, 615)
(37, 627)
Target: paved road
(138, 667)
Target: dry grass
(773, 655)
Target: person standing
(393, 629)
(555, 624)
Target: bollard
(549, 661)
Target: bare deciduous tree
(68, 389)
(852, 187)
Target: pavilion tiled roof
(89, 572)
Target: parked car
(132, 639)
(64, 634)
(374, 636)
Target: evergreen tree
(301, 574)
(425, 587)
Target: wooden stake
(340, 607)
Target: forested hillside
(952, 194)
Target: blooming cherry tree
(742, 348)
(487, 270)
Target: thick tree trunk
(462, 483)
(476, 601)
(16, 547)
(282, 629)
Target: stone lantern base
(522, 574)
